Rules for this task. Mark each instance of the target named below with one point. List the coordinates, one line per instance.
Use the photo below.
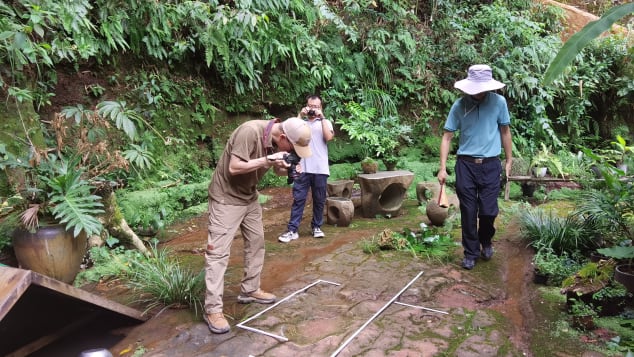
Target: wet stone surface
(488, 309)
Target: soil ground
(489, 311)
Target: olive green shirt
(249, 141)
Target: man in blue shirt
(483, 120)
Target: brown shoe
(216, 322)
(260, 296)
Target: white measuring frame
(381, 310)
(284, 339)
(281, 338)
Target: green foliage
(71, 200)
(434, 243)
(7, 225)
(161, 279)
(107, 263)
(379, 136)
(590, 278)
(57, 190)
(152, 209)
(545, 158)
(430, 147)
(561, 234)
(139, 156)
(580, 39)
(613, 291)
(556, 267)
(580, 308)
(344, 150)
(610, 207)
(342, 172)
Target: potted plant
(369, 165)
(583, 315)
(588, 280)
(57, 211)
(390, 161)
(543, 161)
(611, 299)
(552, 269)
(625, 154)
(55, 190)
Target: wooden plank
(83, 295)
(13, 283)
(35, 310)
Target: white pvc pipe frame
(281, 338)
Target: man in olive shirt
(252, 149)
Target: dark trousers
(317, 185)
(478, 188)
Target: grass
(162, 280)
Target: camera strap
(267, 132)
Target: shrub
(162, 280)
(561, 234)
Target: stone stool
(382, 193)
(340, 188)
(340, 211)
(422, 189)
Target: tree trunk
(115, 223)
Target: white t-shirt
(317, 163)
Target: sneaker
(260, 296)
(216, 322)
(288, 236)
(468, 263)
(487, 252)
(318, 233)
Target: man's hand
(277, 160)
(442, 176)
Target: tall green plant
(583, 37)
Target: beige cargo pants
(224, 221)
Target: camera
(311, 112)
(292, 159)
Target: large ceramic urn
(51, 251)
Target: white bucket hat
(479, 79)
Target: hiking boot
(216, 322)
(468, 263)
(487, 252)
(318, 233)
(260, 296)
(288, 236)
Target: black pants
(478, 188)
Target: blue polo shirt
(478, 123)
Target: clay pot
(50, 251)
(624, 274)
(436, 214)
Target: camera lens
(311, 112)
